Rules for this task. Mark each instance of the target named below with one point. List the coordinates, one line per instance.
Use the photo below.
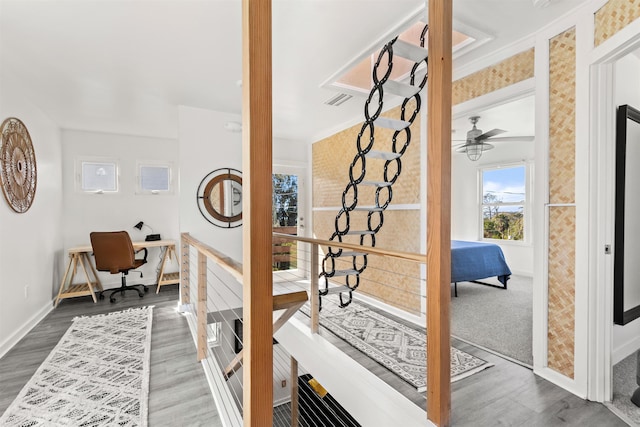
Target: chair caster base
(112, 300)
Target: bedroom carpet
(496, 319)
(624, 384)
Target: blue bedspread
(477, 260)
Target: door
(288, 218)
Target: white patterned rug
(97, 375)
(397, 347)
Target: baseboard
(625, 350)
(24, 330)
(522, 273)
(281, 401)
(416, 320)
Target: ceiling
(517, 118)
(125, 66)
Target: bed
(472, 261)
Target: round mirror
(220, 198)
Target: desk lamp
(150, 237)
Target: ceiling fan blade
(523, 138)
(489, 134)
(462, 148)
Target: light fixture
(150, 237)
(474, 150)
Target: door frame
(602, 207)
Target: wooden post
(294, 392)
(439, 213)
(202, 306)
(256, 213)
(185, 292)
(315, 298)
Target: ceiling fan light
(474, 152)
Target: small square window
(154, 179)
(98, 177)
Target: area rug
(97, 375)
(396, 346)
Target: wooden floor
(178, 391)
(507, 394)
(504, 395)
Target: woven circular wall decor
(18, 173)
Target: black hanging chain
(357, 172)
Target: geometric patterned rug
(97, 375)
(398, 347)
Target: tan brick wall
(561, 256)
(332, 157)
(562, 120)
(562, 259)
(614, 16)
(393, 281)
(512, 70)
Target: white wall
(626, 339)
(84, 213)
(31, 249)
(465, 209)
(205, 145)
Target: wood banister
(291, 303)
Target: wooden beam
(202, 306)
(291, 303)
(256, 215)
(282, 301)
(315, 297)
(439, 213)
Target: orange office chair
(114, 253)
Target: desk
(79, 259)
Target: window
(154, 178)
(504, 199)
(98, 176)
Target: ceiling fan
(477, 142)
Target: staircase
(366, 153)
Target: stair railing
(314, 257)
(358, 170)
(211, 299)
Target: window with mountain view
(504, 198)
